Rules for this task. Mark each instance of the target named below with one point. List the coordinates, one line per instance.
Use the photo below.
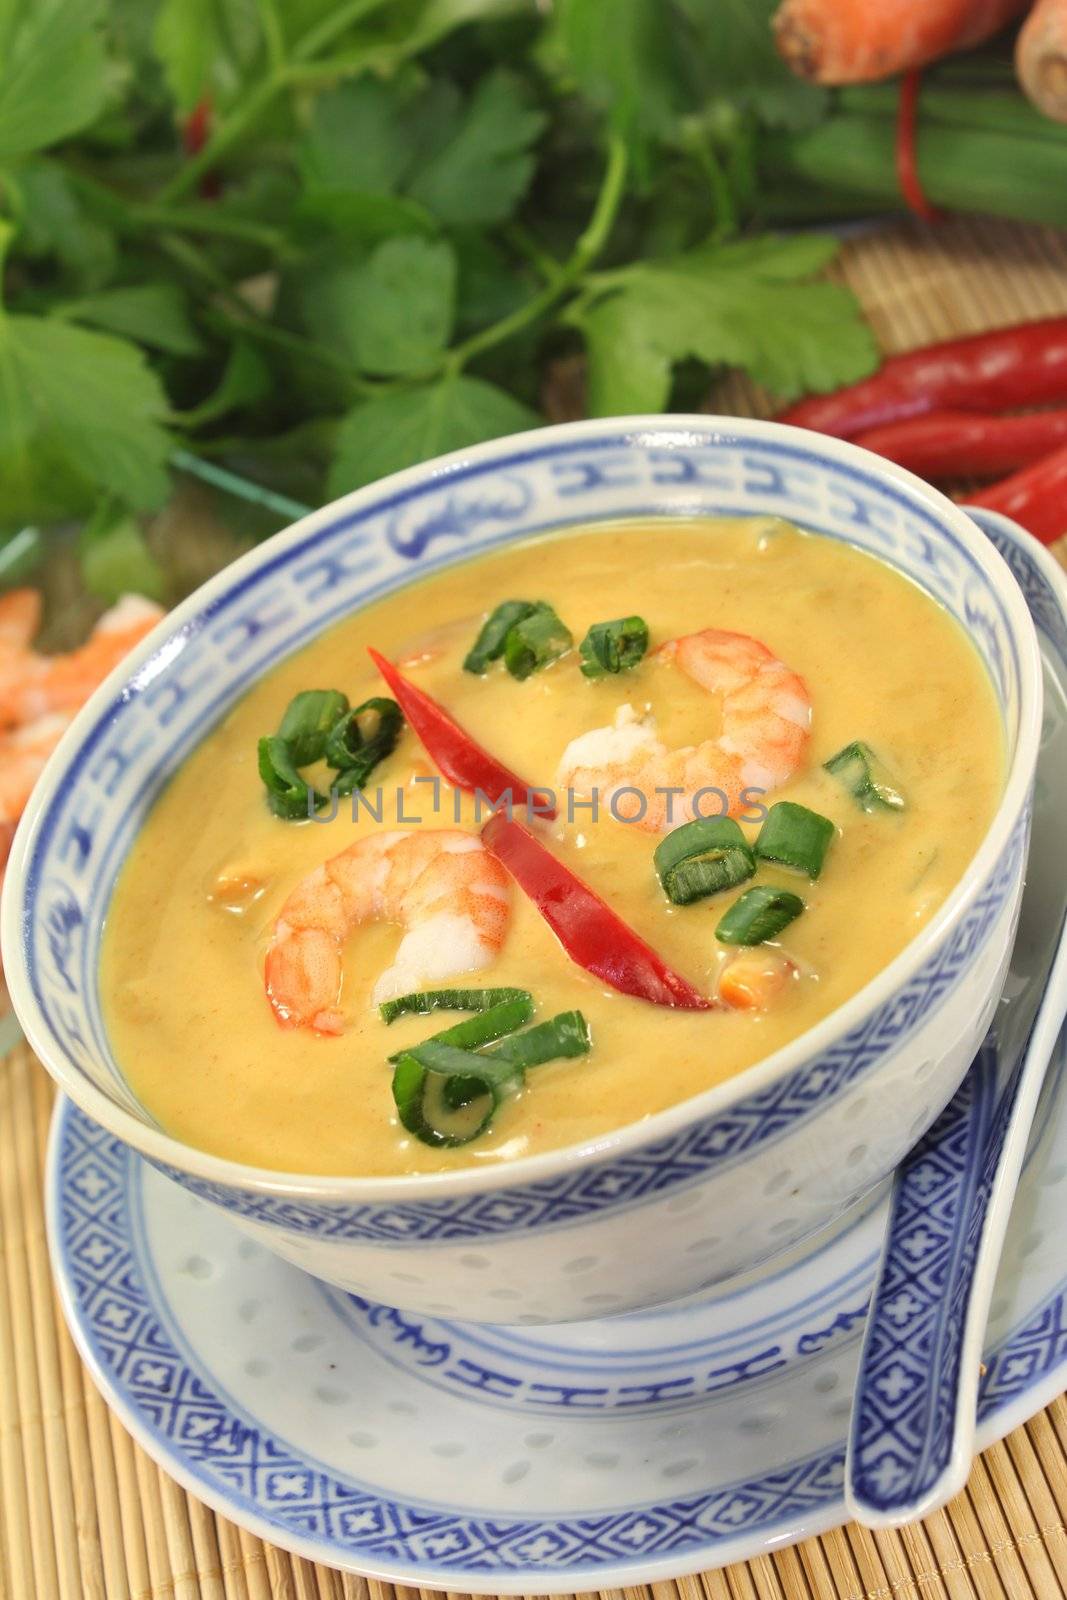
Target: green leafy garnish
(422, 1002)
(760, 914)
(361, 738)
(611, 647)
(318, 725)
(307, 723)
(861, 772)
(796, 837)
(318, 243)
(490, 1023)
(749, 303)
(535, 641)
(447, 1096)
(288, 795)
(489, 645)
(703, 857)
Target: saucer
(506, 1459)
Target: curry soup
(194, 910)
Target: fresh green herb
(436, 1082)
(426, 1108)
(492, 1023)
(760, 914)
(361, 738)
(287, 793)
(613, 646)
(536, 641)
(427, 1000)
(793, 836)
(489, 645)
(307, 722)
(561, 1037)
(860, 771)
(449, 189)
(702, 858)
(318, 725)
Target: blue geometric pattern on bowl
(117, 1306)
(904, 1424)
(264, 611)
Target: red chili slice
(590, 932)
(459, 757)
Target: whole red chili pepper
(590, 932)
(964, 444)
(1019, 366)
(1036, 497)
(460, 758)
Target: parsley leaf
(466, 164)
(79, 409)
(483, 168)
(206, 46)
(115, 560)
(392, 311)
(407, 426)
(53, 72)
(156, 314)
(747, 303)
(626, 66)
(735, 60)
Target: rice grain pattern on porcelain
(693, 1195)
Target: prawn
(33, 685)
(23, 754)
(441, 885)
(20, 617)
(766, 720)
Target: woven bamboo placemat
(86, 1515)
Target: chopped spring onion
(792, 836)
(489, 645)
(460, 1078)
(361, 738)
(536, 641)
(483, 1028)
(455, 1079)
(866, 779)
(287, 794)
(427, 1000)
(613, 646)
(561, 1037)
(760, 914)
(307, 722)
(702, 858)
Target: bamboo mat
(85, 1513)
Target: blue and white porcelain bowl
(664, 1207)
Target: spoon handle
(911, 1442)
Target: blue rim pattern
(96, 1179)
(904, 1424)
(137, 741)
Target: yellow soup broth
(192, 912)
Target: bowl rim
(162, 1147)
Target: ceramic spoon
(911, 1442)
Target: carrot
(1041, 58)
(858, 41)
